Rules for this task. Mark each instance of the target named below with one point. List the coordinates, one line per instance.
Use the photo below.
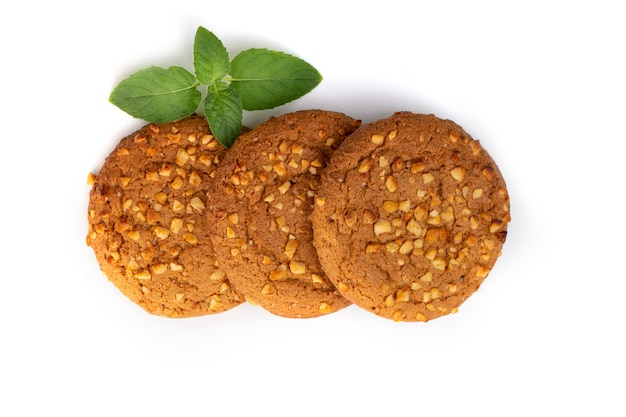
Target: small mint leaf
(158, 95)
(266, 79)
(223, 110)
(210, 58)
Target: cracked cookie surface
(262, 199)
(410, 217)
(148, 223)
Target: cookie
(410, 217)
(262, 199)
(148, 222)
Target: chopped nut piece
(398, 315)
(177, 183)
(402, 295)
(161, 232)
(389, 300)
(152, 175)
(404, 206)
(174, 138)
(297, 267)
(177, 205)
(215, 303)
(152, 216)
(378, 139)
(217, 275)
(161, 197)
(495, 226)
(406, 247)
(318, 279)
(417, 167)
(143, 275)
(369, 217)
(427, 277)
(415, 286)
(434, 218)
(390, 206)
(320, 201)
(325, 308)
(284, 187)
(458, 173)
(197, 204)
(233, 218)
(365, 165)
(182, 157)
(372, 248)
(392, 247)
(448, 214)
(268, 289)
(279, 169)
(91, 179)
(296, 148)
(195, 179)
(134, 235)
(159, 269)
(431, 235)
(382, 226)
(428, 178)
(279, 273)
(350, 218)
(190, 238)
(391, 184)
(176, 267)
(290, 248)
(482, 271)
(414, 227)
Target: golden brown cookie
(262, 198)
(410, 217)
(148, 222)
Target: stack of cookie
(305, 215)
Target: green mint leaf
(265, 79)
(210, 58)
(158, 95)
(223, 110)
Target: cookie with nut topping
(262, 199)
(148, 222)
(410, 217)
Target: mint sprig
(256, 79)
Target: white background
(539, 83)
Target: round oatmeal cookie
(148, 223)
(262, 199)
(410, 217)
